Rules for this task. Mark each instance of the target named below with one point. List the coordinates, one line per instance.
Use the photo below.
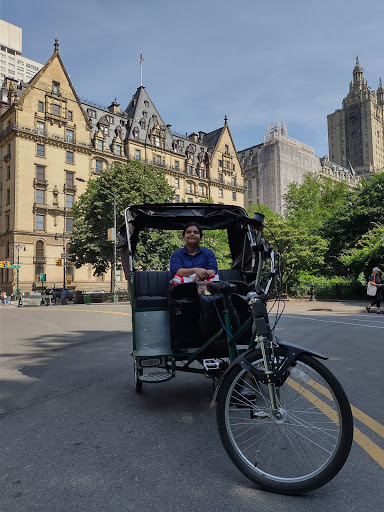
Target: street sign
(15, 266)
(43, 277)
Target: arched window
(40, 251)
(190, 187)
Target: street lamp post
(17, 246)
(114, 239)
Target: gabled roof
(36, 78)
(141, 107)
(212, 138)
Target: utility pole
(17, 246)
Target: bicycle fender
(294, 352)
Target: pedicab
(283, 418)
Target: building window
(189, 187)
(157, 141)
(40, 173)
(99, 144)
(177, 184)
(202, 172)
(40, 222)
(69, 200)
(40, 150)
(177, 165)
(177, 198)
(40, 250)
(39, 269)
(190, 169)
(55, 88)
(99, 165)
(69, 159)
(220, 192)
(137, 154)
(118, 149)
(105, 130)
(40, 128)
(8, 172)
(220, 163)
(56, 110)
(201, 190)
(190, 200)
(221, 180)
(8, 197)
(69, 225)
(91, 113)
(70, 115)
(70, 136)
(158, 159)
(226, 149)
(233, 180)
(233, 196)
(41, 106)
(135, 133)
(7, 223)
(40, 196)
(69, 179)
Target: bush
(334, 288)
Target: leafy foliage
(369, 252)
(133, 183)
(314, 201)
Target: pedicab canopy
(175, 216)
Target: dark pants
(376, 299)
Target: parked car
(56, 292)
(96, 291)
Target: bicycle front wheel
(303, 449)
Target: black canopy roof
(175, 216)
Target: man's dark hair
(193, 224)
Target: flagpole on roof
(141, 68)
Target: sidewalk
(352, 307)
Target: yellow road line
(359, 415)
(361, 439)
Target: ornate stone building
(49, 138)
(356, 131)
(280, 160)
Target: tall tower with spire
(356, 131)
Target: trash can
(78, 297)
(86, 299)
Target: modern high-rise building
(12, 63)
(356, 131)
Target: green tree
(133, 183)
(361, 212)
(369, 252)
(314, 201)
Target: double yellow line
(361, 439)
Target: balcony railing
(43, 133)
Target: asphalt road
(75, 436)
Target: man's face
(192, 235)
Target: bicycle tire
(303, 451)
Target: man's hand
(201, 274)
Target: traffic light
(2, 264)
(58, 262)
(14, 271)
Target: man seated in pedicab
(194, 313)
(192, 262)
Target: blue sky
(256, 62)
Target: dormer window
(146, 103)
(135, 133)
(145, 114)
(142, 124)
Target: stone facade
(356, 131)
(280, 160)
(48, 138)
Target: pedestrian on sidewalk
(64, 297)
(375, 280)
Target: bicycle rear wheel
(302, 450)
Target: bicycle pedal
(211, 364)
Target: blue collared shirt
(204, 258)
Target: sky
(256, 62)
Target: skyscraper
(356, 131)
